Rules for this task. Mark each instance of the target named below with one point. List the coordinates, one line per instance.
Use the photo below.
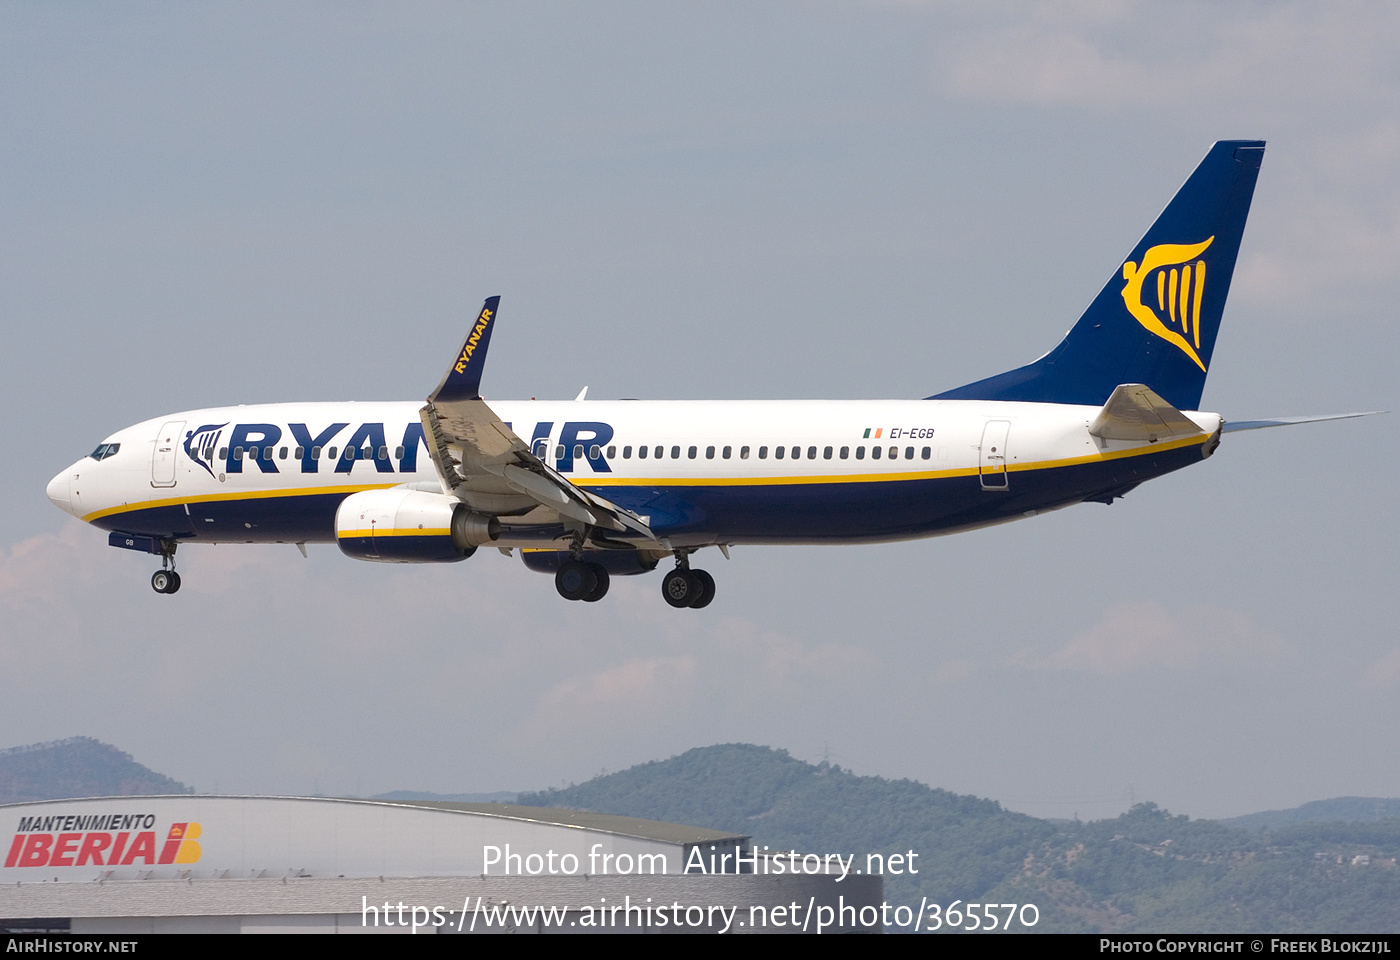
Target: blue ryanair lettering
(589, 434)
(539, 440)
(412, 437)
(246, 435)
(371, 434)
(308, 443)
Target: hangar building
(283, 864)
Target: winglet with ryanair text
(463, 378)
(1156, 319)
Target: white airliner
(589, 489)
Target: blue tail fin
(1156, 319)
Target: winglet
(463, 379)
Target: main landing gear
(577, 580)
(684, 587)
(166, 580)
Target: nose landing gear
(166, 580)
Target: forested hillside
(1144, 871)
(77, 767)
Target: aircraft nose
(59, 491)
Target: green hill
(1145, 871)
(77, 767)
(1346, 809)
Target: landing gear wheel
(681, 587)
(707, 589)
(165, 581)
(600, 589)
(576, 579)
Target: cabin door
(163, 457)
(991, 457)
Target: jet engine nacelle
(410, 526)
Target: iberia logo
(51, 842)
(1179, 292)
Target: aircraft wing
(482, 461)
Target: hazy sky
(221, 203)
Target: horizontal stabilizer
(1232, 426)
(1134, 412)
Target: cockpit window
(105, 450)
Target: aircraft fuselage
(699, 472)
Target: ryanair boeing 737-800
(588, 490)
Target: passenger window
(594, 452)
(626, 452)
(763, 453)
(779, 452)
(657, 453)
(894, 453)
(874, 453)
(315, 453)
(282, 454)
(845, 453)
(691, 453)
(559, 452)
(223, 453)
(797, 453)
(812, 453)
(578, 451)
(676, 453)
(298, 453)
(398, 453)
(709, 453)
(743, 453)
(641, 453)
(330, 454)
(927, 452)
(908, 453)
(238, 453)
(727, 452)
(383, 453)
(612, 453)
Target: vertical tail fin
(1156, 319)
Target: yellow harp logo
(1179, 293)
